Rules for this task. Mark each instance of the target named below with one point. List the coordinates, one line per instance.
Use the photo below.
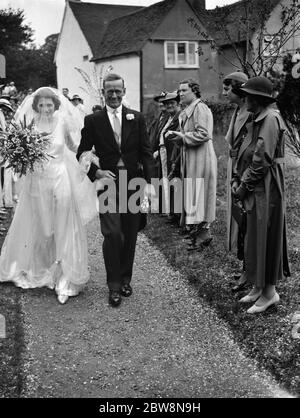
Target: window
(271, 46)
(182, 54)
(85, 58)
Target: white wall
(71, 49)
(127, 67)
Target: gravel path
(163, 341)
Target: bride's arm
(70, 143)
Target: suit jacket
(135, 147)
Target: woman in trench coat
(259, 185)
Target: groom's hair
(112, 77)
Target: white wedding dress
(46, 244)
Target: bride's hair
(45, 93)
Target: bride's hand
(105, 174)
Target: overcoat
(260, 167)
(198, 162)
(234, 138)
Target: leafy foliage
(26, 65)
(288, 102)
(94, 82)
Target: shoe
(62, 299)
(251, 298)
(256, 309)
(126, 290)
(114, 298)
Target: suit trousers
(120, 235)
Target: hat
(5, 103)
(171, 96)
(237, 76)
(259, 86)
(76, 97)
(160, 96)
(5, 96)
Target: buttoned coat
(198, 162)
(260, 167)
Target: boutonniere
(130, 116)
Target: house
(156, 47)
(83, 26)
(239, 30)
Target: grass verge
(266, 337)
(11, 347)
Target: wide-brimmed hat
(259, 86)
(5, 103)
(171, 96)
(76, 97)
(160, 96)
(237, 76)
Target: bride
(46, 244)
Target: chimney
(199, 4)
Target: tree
(15, 38)
(14, 33)
(242, 26)
(47, 68)
(288, 101)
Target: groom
(121, 143)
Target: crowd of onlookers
(181, 139)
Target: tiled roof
(128, 34)
(234, 15)
(93, 19)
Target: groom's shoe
(114, 298)
(126, 290)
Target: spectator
(234, 137)
(156, 126)
(8, 180)
(96, 108)
(65, 92)
(259, 187)
(199, 169)
(77, 102)
(165, 149)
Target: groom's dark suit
(119, 230)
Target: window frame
(269, 41)
(177, 65)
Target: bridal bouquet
(23, 148)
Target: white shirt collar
(111, 110)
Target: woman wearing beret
(259, 186)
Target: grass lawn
(10, 347)
(266, 337)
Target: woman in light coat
(198, 164)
